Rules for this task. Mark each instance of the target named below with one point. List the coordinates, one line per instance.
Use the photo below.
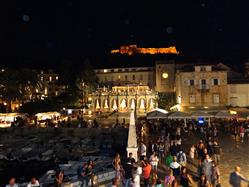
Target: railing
(203, 87)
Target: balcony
(203, 87)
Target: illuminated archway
(151, 104)
(114, 104)
(123, 105)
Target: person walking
(192, 152)
(207, 168)
(169, 179)
(128, 167)
(215, 177)
(143, 150)
(176, 167)
(236, 178)
(117, 166)
(146, 172)
(217, 152)
(185, 178)
(154, 162)
(59, 175)
(181, 158)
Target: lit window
(50, 78)
(105, 70)
(216, 98)
(41, 78)
(192, 99)
(56, 77)
(119, 77)
(46, 91)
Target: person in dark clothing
(173, 149)
(131, 159)
(185, 178)
(128, 172)
(236, 178)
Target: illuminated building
(124, 99)
(48, 84)
(133, 49)
(201, 86)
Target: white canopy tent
(202, 115)
(224, 115)
(179, 115)
(157, 114)
(7, 118)
(47, 115)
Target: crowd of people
(163, 148)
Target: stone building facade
(124, 99)
(201, 86)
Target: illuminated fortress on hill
(133, 49)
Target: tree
(17, 84)
(166, 100)
(88, 76)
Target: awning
(179, 115)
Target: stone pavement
(232, 154)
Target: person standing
(33, 183)
(154, 162)
(59, 178)
(117, 166)
(185, 179)
(215, 178)
(137, 171)
(241, 133)
(12, 183)
(176, 167)
(128, 167)
(236, 178)
(217, 152)
(207, 168)
(181, 158)
(192, 152)
(203, 182)
(169, 179)
(131, 159)
(169, 160)
(143, 151)
(146, 172)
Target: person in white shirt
(154, 162)
(12, 183)
(192, 152)
(137, 171)
(33, 183)
(143, 151)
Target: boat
(103, 171)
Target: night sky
(41, 32)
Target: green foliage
(88, 76)
(16, 82)
(166, 100)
